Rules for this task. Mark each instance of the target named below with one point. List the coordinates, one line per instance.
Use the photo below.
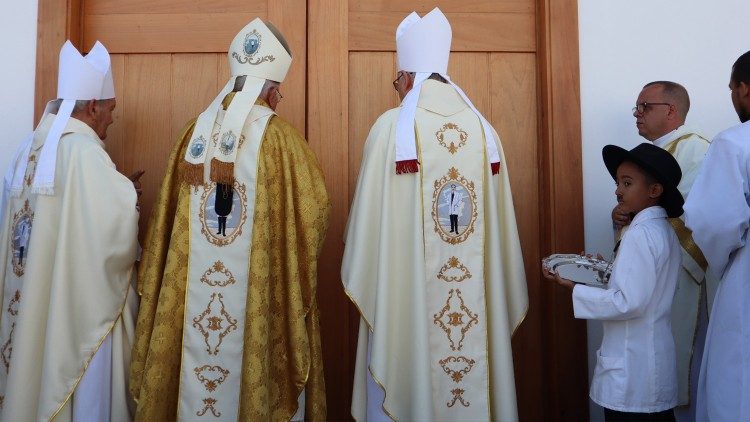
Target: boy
(636, 374)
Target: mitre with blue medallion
(257, 53)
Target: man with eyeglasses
(718, 212)
(442, 289)
(660, 112)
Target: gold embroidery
(29, 177)
(207, 231)
(19, 238)
(212, 382)
(457, 374)
(14, 303)
(454, 262)
(456, 132)
(7, 351)
(219, 268)
(214, 324)
(453, 179)
(455, 319)
(458, 396)
(208, 404)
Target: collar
(76, 126)
(440, 98)
(650, 213)
(671, 136)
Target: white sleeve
(635, 276)
(717, 211)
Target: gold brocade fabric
(282, 353)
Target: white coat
(636, 369)
(718, 212)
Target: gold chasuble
(433, 263)
(66, 281)
(228, 327)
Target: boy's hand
(554, 276)
(620, 217)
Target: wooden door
(516, 59)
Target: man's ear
(91, 107)
(743, 90)
(656, 190)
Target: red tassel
(495, 167)
(407, 166)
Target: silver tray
(580, 269)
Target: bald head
(676, 94)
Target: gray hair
(676, 93)
(79, 107)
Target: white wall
(18, 48)
(623, 45)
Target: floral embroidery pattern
(208, 404)
(218, 268)
(448, 274)
(450, 319)
(452, 132)
(458, 396)
(207, 376)
(210, 322)
(456, 367)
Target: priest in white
(67, 247)
(718, 213)
(440, 292)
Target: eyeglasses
(279, 92)
(395, 81)
(642, 107)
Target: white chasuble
(221, 227)
(433, 264)
(67, 285)
(16, 234)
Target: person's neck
(666, 136)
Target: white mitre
(79, 78)
(259, 55)
(423, 46)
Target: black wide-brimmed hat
(658, 163)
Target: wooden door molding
(555, 388)
(564, 338)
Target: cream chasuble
(66, 285)
(688, 148)
(434, 265)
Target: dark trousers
(222, 226)
(614, 415)
(454, 222)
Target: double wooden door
(516, 59)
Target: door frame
(561, 382)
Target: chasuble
(228, 327)
(688, 148)
(68, 308)
(433, 263)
